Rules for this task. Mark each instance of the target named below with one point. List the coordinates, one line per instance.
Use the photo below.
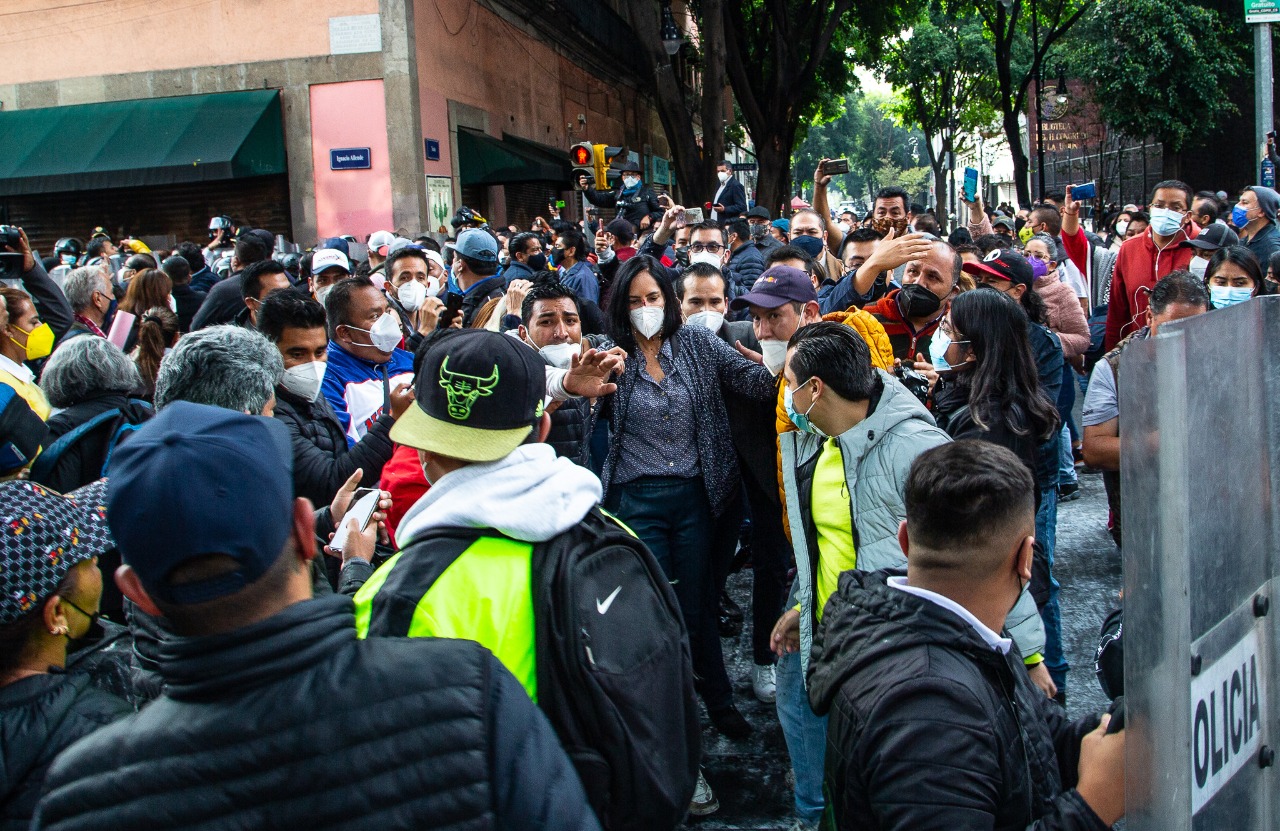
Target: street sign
(1262, 11)
(349, 158)
(745, 167)
(433, 149)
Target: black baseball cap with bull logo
(477, 396)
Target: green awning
(485, 160)
(158, 141)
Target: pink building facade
(372, 97)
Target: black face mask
(537, 262)
(914, 300)
(93, 618)
(682, 255)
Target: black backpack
(614, 674)
(54, 468)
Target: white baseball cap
(380, 242)
(328, 258)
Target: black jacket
(48, 299)
(932, 728)
(203, 280)
(221, 305)
(321, 459)
(631, 207)
(293, 723)
(734, 199)
(40, 716)
(188, 301)
(479, 294)
(82, 462)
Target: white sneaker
(764, 683)
(704, 802)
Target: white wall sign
(1228, 703)
(354, 34)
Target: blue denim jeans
(1066, 403)
(673, 518)
(1046, 532)
(806, 735)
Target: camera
(916, 384)
(11, 236)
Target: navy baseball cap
(337, 244)
(477, 244)
(777, 285)
(1005, 264)
(199, 480)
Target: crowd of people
(440, 534)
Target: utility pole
(1262, 13)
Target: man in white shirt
(730, 200)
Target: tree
(694, 158)
(788, 61)
(863, 132)
(943, 74)
(1018, 57)
(1157, 70)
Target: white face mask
(648, 320)
(411, 295)
(1121, 227)
(385, 333)
(304, 380)
(705, 257)
(1197, 266)
(433, 286)
(722, 176)
(629, 182)
(709, 319)
(775, 354)
(560, 355)
(322, 293)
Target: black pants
(770, 560)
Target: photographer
(18, 262)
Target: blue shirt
(582, 280)
(659, 430)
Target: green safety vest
(461, 584)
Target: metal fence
(1124, 170)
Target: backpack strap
(416, 569)
(52, 454)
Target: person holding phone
(730, 201)
(633, 199)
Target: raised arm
(820, 181)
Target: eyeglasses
(709, 247)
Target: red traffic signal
(582, 155)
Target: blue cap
(477, 244)
(337, 244)
(198, 480)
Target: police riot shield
(1200, 449)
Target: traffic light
(604, 157)
(583, 158)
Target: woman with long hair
(149, 288)
(1233, 276)
(991, 390)
(671, 467)
(157, 332)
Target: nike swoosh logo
(608, 601)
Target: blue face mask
(1165, 222)
(938, 346)
(1224, 296)
(1239, 216)
(800, 420)
(809, 245)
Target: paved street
(750, 778)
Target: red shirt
(1139, 266)
(402, 476)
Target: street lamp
(671, 39)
